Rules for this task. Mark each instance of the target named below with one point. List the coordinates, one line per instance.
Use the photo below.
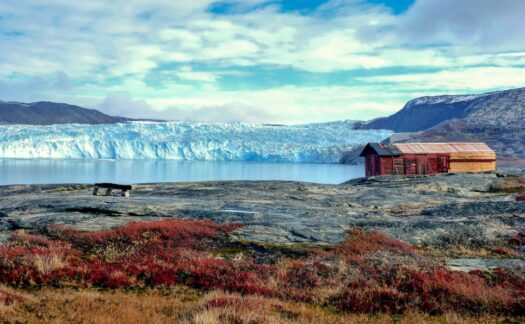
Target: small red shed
(427, 158)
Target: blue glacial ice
(311, 143)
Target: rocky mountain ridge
(50, 113)
(497, 118)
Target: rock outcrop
(469, 209)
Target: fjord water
(57, 171)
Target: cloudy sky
(257, 60)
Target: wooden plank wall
(443, 161)
(386, 165)
(392, 165)
(372, 165)
(399, 166)
(472, 162)
(410, 164)
(472, 156)
(477, 166)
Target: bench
(125, 189)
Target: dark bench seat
(125, 189)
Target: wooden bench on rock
(125, 189)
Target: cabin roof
(381, 149)
(425, 148)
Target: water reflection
(38, 171)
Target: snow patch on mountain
(312, 143)
(441, 100)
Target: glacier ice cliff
(311, 143)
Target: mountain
(49, 113)
(497, 118)
(312, 143)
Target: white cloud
(121, 104)
(187, 73)
(475, 79)
(134, 37)
(107, 49)
(289, 104)
(476, 25)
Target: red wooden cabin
(427, 158)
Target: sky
(260, 61)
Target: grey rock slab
(446, 209)
(467, 265)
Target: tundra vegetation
(190, 271)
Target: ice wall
(312, 143)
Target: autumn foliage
(368, 272)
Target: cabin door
(372, 165)
(368, 165)
(443, 163)
(421, 165)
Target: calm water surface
(37, 171)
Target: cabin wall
(392, 165)
(443, 163)
(386, 165)
(399, 166)
(472, 166)
(472, 162)
(409, 161)
(372, 165)
(472, 156)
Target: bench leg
(109, 192)
(125, 193)
(95, 191)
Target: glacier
(310, 143)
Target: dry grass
(47, 263)
(182, 305)
(461, 251)
(9, 299)
(509, 185)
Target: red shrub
(505, 251)
(519, 239)
(435, 292)
(520, 198)
(221, 302)
(170, 232)
(363, 298)
(360, 243)
(301, 275)
(24, 238)
(212, 274)
(376, 273)
(33, 264)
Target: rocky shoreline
(447, 209)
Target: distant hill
(49, 113)
(497, 118)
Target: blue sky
(257, 60)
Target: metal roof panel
(424, 148)
(382, 149)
